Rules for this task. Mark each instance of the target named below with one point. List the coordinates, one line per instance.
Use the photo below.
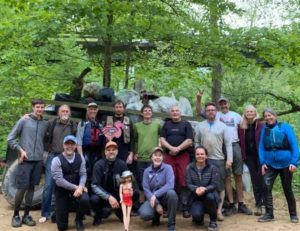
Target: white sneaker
(43, 219)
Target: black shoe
(199, 222)
(156, 220)
(79, 225)
(244, 209)
(266, 218)
(230, 210)
(213, 226)
(186, 214)
(16, 221)
(27, 220)
(97, 220)
(294, 219)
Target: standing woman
(249, 135)
(278, 154)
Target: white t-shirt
(231, 119)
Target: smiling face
(147, 113)
(91, 112)
(38, 110)
(111, 153)
(270, 118)
(175, 114)
(200, 156)
(224, 106)
(157, 158)
(250, 113)
(69, 148)
(64, 112)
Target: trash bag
(128, 96)
(164, 103)
(135, 106)
(91, 90)
(185, 106)
(106, 94)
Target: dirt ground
(237, 222)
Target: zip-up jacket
(158, 182)
(278, 158)
(29, 134)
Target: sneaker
(213, 226)
(186, 214)
(294, 219)
(266, 218)
(220, 217)
(230, 210)
(16, 221)
(244, 209)
(27, 220)
(43, 219)
(258, 211)
(79, 225)
(159, 209)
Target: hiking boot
(79, 225)
(213, 226)
(27, 220)
(244, 209)
(230, 210)
(156, 220)
(258, 211)
(16, 221)
(97, 220)
(294, 219)
(159, 209)
(186, 214)
(220, 217)
(266, 218)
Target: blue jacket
(278, 158)
(158, 183)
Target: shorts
(220, 165)
(28, 174)
(179, 164)
(237, 163)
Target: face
(157, 158)
(69, 147)
(270, 118)
(175, 113)
(250, 113)
(147, 113)
(119, 109)
(200, 155)
(111, 153)
(224, 106)
(38, 109)
(64, 113)
(210, 112)
(91, 112)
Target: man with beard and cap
(69, 173)
(232, 120)
(106, 183)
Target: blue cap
(70, 138)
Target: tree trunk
(108, 49)
(128, 63)
(216, 77)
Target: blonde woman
(249, 135)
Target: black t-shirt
(177, 132)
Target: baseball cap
(70, 138)
(92, 105)
(157, 149)
(223, 98)
(111, 144)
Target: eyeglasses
(210, 110)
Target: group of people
(98, 167)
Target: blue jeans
(48, 187)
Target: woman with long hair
(249, 135)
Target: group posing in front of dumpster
(152, 168)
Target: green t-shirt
(146, 138)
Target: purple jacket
(159, 182)
(241, 133)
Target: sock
(26, 210)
